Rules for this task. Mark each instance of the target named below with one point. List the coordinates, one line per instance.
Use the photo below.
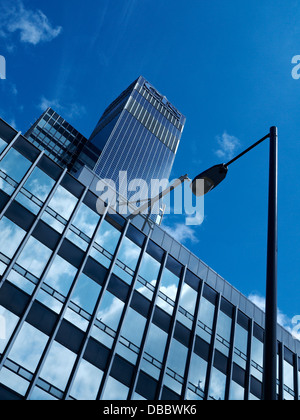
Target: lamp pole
(212, 177)
(270, 348)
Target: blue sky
(225, 65)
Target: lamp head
(211, 177)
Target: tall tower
(138, 133)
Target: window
(87, 382)
(131, 335)
(85, 223)
(148, 274)
(34, 257)
(28, 347)
(154, 351)
(105, 244)
(108, 319)
(114, 390)
(11, 237)
(197, 377)
(35, 190)
(168, 291)
(129, 254)
(58, 279)
(12, 168)
(205, 319)
(60, 209)
(176, 364)
(58, 366)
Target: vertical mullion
(231, 352)
(33, 226)
(249, 358)
(296, 376)
(124, 313)
(170, 336)
(94, 315)
(64, 308)
(9, 146)
(280, 353)
(192, 341)
(212, 347)
(21, 183)
(146, 331)
(39, 284)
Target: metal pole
(270, 348)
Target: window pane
(36, 188)
(15, 166)
(60, 209)
(11, 237)
(34, 257)
(129, 254)
(205, 320)
(168, 291)
(217, 385)
(87, 382)
(58, 366)
(86, 221)
(114, 390)
(28, 347)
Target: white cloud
(228, 146)
(72, 110)
(286, 322)
(33, 26)
(181, 233)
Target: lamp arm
(247, 150)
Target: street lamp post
(212, 177)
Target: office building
(74, 283)
(138, 133)
(62, 142)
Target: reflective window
(60, 209)
(240, 344)
(105, 244)
(148, 274)
(87, 382)
(168, 291)
(217, 385)
(187, 305)
(257, 358)
(58, 365)
(35, 190)
(10, 172)
(3, 144)
(129, 254)
(8, 322)
(13, 381)
(57, 284)
(108, 319)
(131, 335)
(205, 319)
(237, 392)
(85, 223)
(86, 293)
(197, 377)
(223, 333)
(154, 351)
(34, 257)
(288, 380)
(176, 366)
(11, 237)
(114, 390)
(28, 347)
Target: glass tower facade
(62, 142)
(138, 133)
(96, 307)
